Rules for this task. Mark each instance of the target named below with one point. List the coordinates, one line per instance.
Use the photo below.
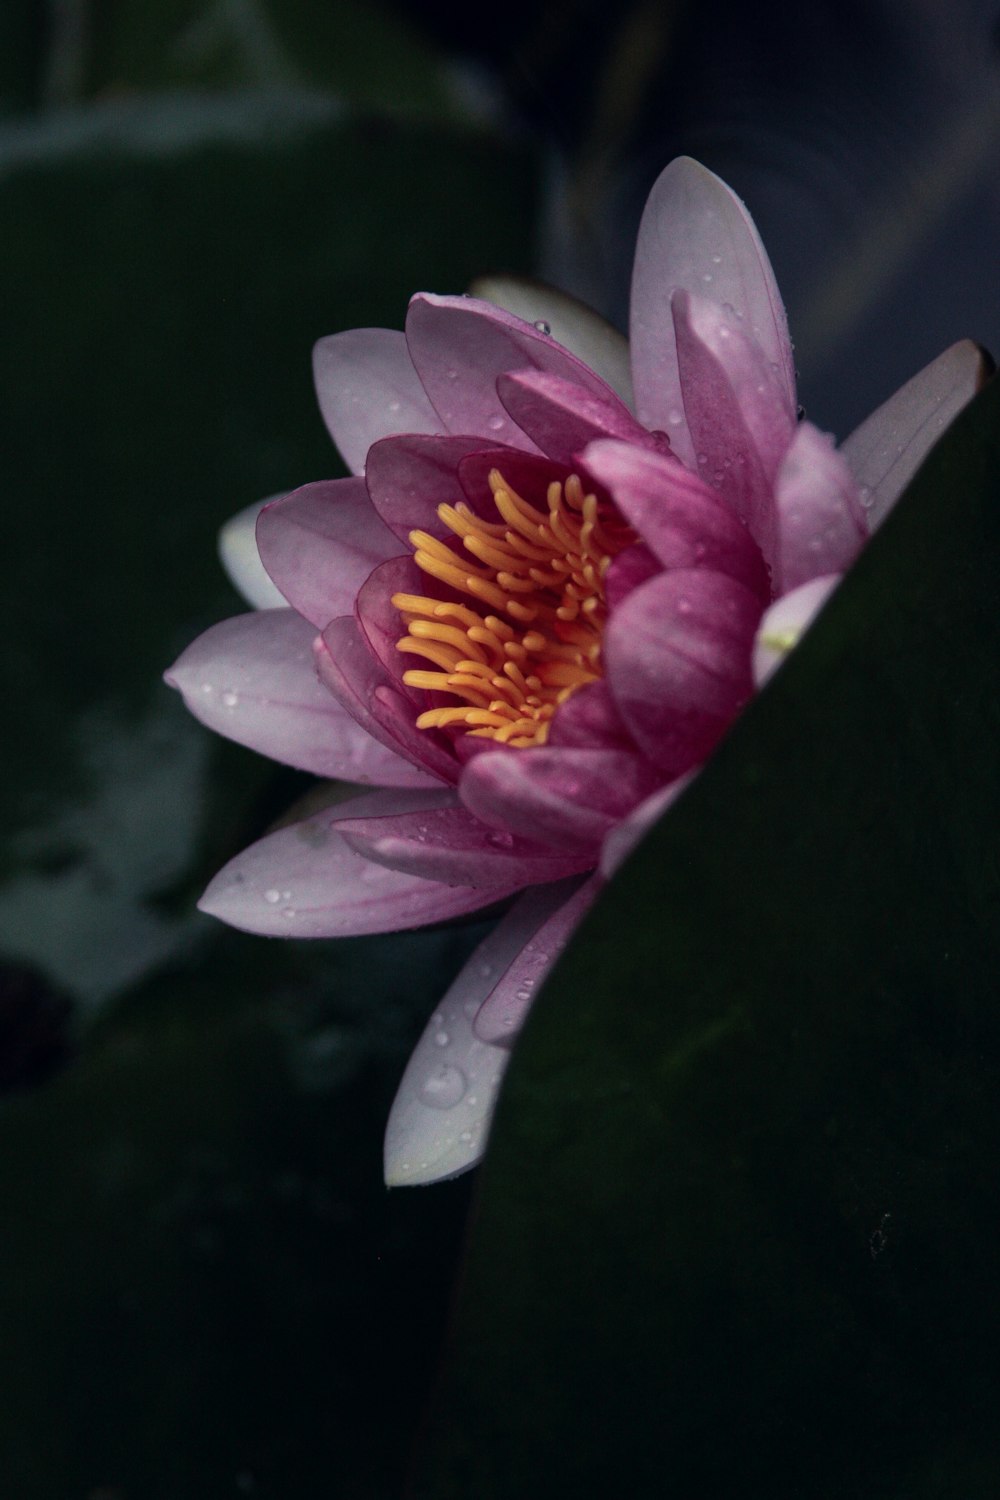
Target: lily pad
(737, 1227)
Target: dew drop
(496, 424)
(471, 1009)
(272, 897)
(485, 970)
(466, 1137)
(452, 374)
(542, 326)
(716, 260)
(866, 497)
(230, 699)
(444, 1088)
(703, 459)
(206, 687)
(442, 1039)
(707, 276)
(500, 840)
(289, 912)
(675, 418)
(395, 407)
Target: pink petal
(821, 525)
(631, 831)
(679, 517)
(460, 346)
(697, 235)
(530, 474)
(573, 324)
(737, 413)
(349, 668)
(887, 449)
(677, 658)
(368, 389)
(320, 543)
(630, 569)
(306, 881)
(442, 1111)
(450, 845)
(502, 1013)
(409, 477)
(252, 679)
(567, 799)
(562, 418)
(382, 625)
(784, 624)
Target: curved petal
(441, 1114)
(677, 657)
(449, 844)
(696, 234)
(239, 556)
(679, 517)
(382, 625)
(571, 323)
(561, 418)
(502, 1013)
(785, 623)
(252, 679)
(631, 831)
(887, 449)
(320, 543)
(349, 668)
(739, 419)
(589, 720)
(368, 389)
(568, 799)
(821, 525)
(306, 881)
(409, 477)
(460, 346)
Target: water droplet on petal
(675, 417)
(542, 326)
(272, 897)
(707, 276)
(395, 406)
(444, 1088)
(206, 687)
(496, 424)
(500, 840)
(716, 260)
(703, 458)
(230, 699)
(442, 1039)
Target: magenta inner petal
(685, 522)
(409, 477)
(589, 720)
(678, 659)
(562, 418)
(566, 799)
(352, 672)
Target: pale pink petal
(306, 881)
(450, 845)
(350, 669)
(630, 569)
(697, 235)
(677, 658)
(320, 543)
(460, 346)
(441, 1115)
(681, 519)
(737, 413)
(502, 1013)
(561, 418)
(239, 556)
(784, 624)
(573, 324)
(368, 389)
(409, 477)
(821, 525)
(631, 831)
(887, 449)
(252, 679)
(568, 799)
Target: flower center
(536, 637)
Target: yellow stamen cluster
(535, 638)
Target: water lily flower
(533, 610)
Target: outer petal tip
(240, 558)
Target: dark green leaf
(738, 1225)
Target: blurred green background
(205, 1289)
